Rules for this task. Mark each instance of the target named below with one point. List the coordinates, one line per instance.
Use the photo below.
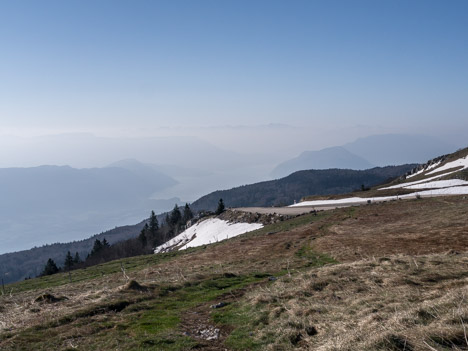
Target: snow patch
(408, 184)
(456, 190)
(346, 201)
(207, 232)
(438, 184)
(453, 190)
(462, 162)
(434, 165)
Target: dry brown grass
(412, 227)
(394, 303)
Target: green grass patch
(146, 323)
(313, 258)
(241, 337)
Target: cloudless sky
(100, 64)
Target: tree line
(152, 235)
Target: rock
(229, 275)
(272, 279)
(49, 298)
(210, 334)
(219, 305)
(134, 285)
(311, 330)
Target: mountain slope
(19, 265)
(333, 157)
(444, 175)
(285, 191)
(394, 269)
(147, 172)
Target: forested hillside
(286, 190)
(29, 263)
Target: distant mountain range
(375, 150)
(332, 157)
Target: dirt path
(291, 211)
(298, 210)
(198, 323)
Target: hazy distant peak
(332, 157)
(128, 162)
(392, 149)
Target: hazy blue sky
(142, 65)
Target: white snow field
(438, 184)
(404, 185)
(206, 232)
(347, 201)
(461, 162)
(456, 190)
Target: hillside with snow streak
(205, 232)
(436, 178)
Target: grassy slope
(401, 301)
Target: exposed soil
(198, 320)
(287, 211)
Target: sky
(114, 67)
(218, 93)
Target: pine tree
(142, 237)
(175, 217)
(77, 258)
(105, 243)
(167, 220)
(220, 208)
(68, 264)
(153, 224)
(188, 215)
(97, 247)
(50, 268)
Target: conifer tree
(50, 268)
(220, 208)
(77, 258)
(105, 243)
(167, 220)
(68, 264)
(142, 237)
(176, 216)
(153, 224)
(188, 215)
(96, 247)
